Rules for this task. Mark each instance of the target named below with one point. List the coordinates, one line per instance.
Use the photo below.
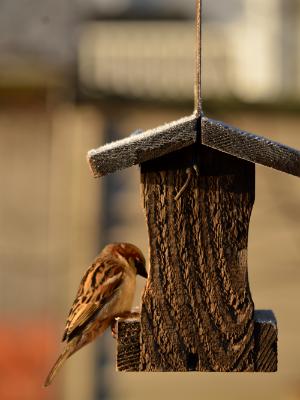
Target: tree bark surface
(197, 311)
(265, 347)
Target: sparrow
(106, 292)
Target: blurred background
(75, 74)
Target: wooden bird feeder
(198, 183)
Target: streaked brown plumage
(105, 292)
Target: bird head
(133, 255)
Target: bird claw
(113, 327)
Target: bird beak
(144, 274)
(141, 270)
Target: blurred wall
(50, 218)
(55, 217)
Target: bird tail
(57, 366)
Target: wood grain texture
(128, 344)
(266, 337)
(264, 354)
(197, 311)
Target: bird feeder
(198, 185)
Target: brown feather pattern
(106, 291)
(93, 294)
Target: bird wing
(96, 290)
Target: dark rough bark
(197, 311)
(265, 348)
